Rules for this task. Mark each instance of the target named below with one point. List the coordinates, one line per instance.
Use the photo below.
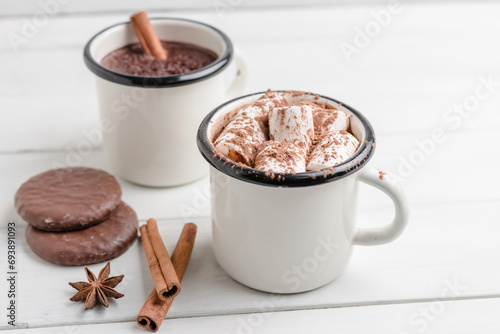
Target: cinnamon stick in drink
(164, 276)
(154, 310)
(147, 35)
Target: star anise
(98, 289)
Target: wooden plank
(444, 247)
(94, 6)
(56, 103)
(189, 201)
(336, 23)
(387, 80)
(447, 175)
(466, 316)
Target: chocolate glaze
(181, 58)
(95, 244)
(67, 199)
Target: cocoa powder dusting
(280, 157)
(274, 156)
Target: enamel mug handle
(239, 83)
(388, 233)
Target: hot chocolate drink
(182, 58)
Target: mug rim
(286, 180)
(163, 81)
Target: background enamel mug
(293, 233)
(149, 123)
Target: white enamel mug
(149, 123)
(288, 233)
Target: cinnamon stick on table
(147, 35)
(154, 310)
(165, 278)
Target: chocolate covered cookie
(95, 244)
(68, 199)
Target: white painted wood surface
(430, 58)
(28, 7)
(466, 316)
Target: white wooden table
(441, 276)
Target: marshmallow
(271, 100)
(240, 140)
(259, 110)
(263, 105)
(329, 120)
(292, 124)
(332, 149)
(252, 112)
(280, 157)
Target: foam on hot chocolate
(280, 133)
(182, 58)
